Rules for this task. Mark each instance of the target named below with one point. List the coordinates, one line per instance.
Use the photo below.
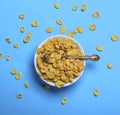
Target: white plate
(58, 36)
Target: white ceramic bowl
(51, 83)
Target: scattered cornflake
(26, 84)
(34, 23)
(80, 30)
(7, 58)
(21, 16)
(59, 22)
(109, 65)
(49, 29)
(46, 86)
(92, 27)
(0, 55)
(22, 29)
(96, 15)
(63, 101)
(57, 5)
(19, 96)
(16, 45)
(71, 34)
(62, 29)
(99, 47)
(96, 92)
(18, 76)
(83, 7)
(8, 40)
(115, 38)
(13, 71)
(29, 34)
(76, 31)
(26, 39)
(74, 8)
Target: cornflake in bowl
(61, 71)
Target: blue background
(80, 99)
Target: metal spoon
(93, 57)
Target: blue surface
(80, 99)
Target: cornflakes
(21, 16)
(99, 48)
(0, 55)
(62, 29)
(83, 7)
(96, 14)
(59, 22)
(59, 70)
(74, 8)
(63, 101)
(18, 76)
(80, 30)
(57, 5)
(26, 39)
(29, 34)
(109, 66)
(22, 29)
(16, 45)
(34, 23)
(71, 34)
(115, 38)
(8, 40)
(7, 58)
(49, 29)
(92, 27)
(19, 96)
(96, 92)
(13, 71)
(26, 84)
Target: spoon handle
(94, 57)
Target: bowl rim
(35, 56)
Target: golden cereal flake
(57, 5)
(83, 7)
(8, 40)
(115, 38)
(22, 29)
(13, 71)
(71, 34)
(74, 8)
(59, 84)
(76, 31)
(21, 16)
(26, 84)
(96, 14)
(7, 58)
(62, 29)
(109, 65)
(63, 101)
(92, 27)
(49, 29)
(34, 23)
(18, 76)
(19, 96)
(99, 47)
(26, 39)
(59, 22)
(46, 86)
(16, 45)
(80, 30)
(0, 55)
(29, 34)
(96, 92)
